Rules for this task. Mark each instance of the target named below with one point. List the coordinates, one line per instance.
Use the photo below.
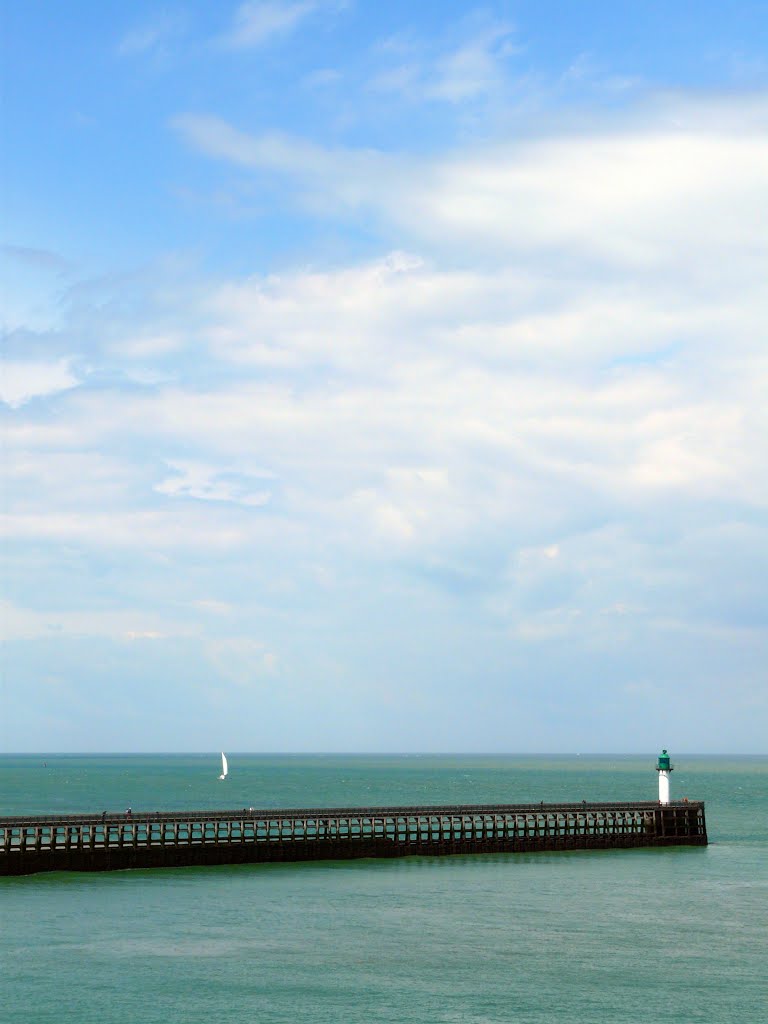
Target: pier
(109, 841)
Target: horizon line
(369, 753)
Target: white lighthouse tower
(664, 768)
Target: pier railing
(109, 840)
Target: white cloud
(678, 184)
(539, 403)
(39, 259)
(212, 483)
(241, 660)
(217, 138)
(147, 346)
(131, 529)
(258, 21)
(639, 200)
(396, 399)
(18, 622)
(474, 68)
(214, 607)
(152, 37)
(23, 380)
(322, 78)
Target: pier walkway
(109, 841)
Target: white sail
(224, 768)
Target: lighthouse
(664, 768)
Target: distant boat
(224, 768)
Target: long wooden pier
(108, 842)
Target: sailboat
(224, 768)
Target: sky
(384, 377)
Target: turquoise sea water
(673, 935)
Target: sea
(669, 936)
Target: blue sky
(384, 377)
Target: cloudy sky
(385, 377)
